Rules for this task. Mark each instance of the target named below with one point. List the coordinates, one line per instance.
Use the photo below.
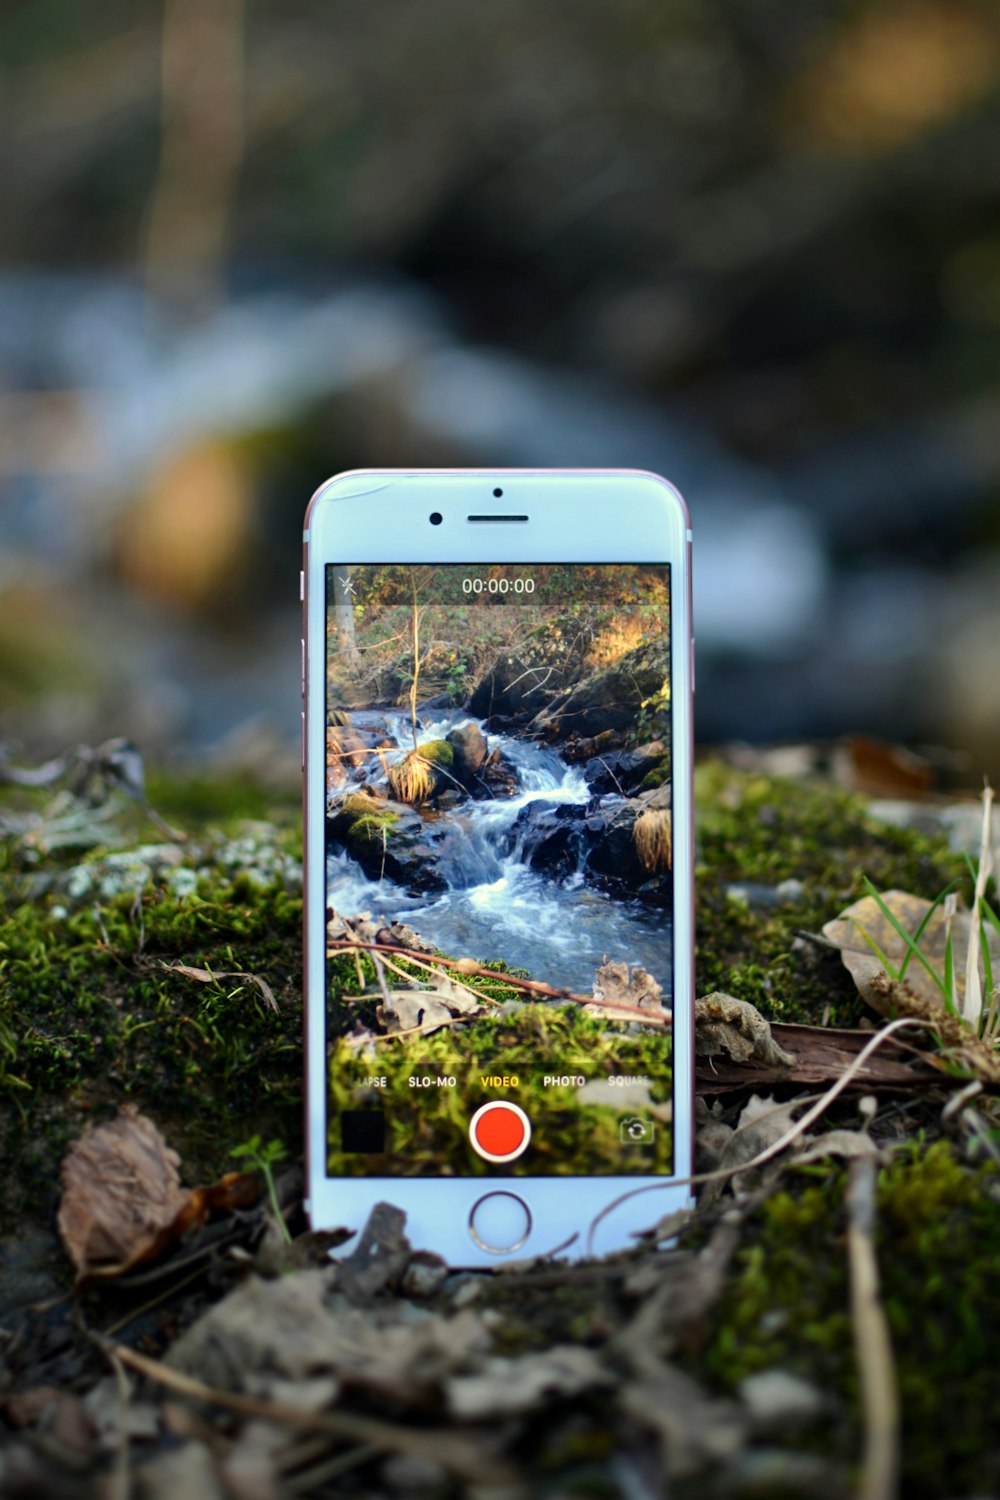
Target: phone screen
(499, 884)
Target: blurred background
(750, 244)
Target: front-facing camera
(436, 518)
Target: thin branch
(823, 1102)
(438, 974)
(872, 1342)
(452, 1450)
(532, 986)
(380, 976)
(120, 1487)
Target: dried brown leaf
(298, 1327)
(428, 1010)
(614, 983)
(123, 1203)
(413, 1010)
(846, 933)
(761, 1124)
(696, 1430)
(879, 769)
(724, 1024)
(844, 1144)
(506, 1387)
(121, 1195)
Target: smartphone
(496, 735)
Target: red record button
(499, 1131)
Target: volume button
(302, 671)
(302, 740)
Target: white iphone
(497, 684)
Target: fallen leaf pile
(413, 1379)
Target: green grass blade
(923, 924)
(986, 910)
(949, 976)
(987, 916)
(984, 946)
(898, 927)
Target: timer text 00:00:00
(498, 585)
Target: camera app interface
(499, 883)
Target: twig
(438, 974)
(872, 1343)
(147, 1307)
(380, 976)
(822, 1103)
(452, 1450)
(534, 986)
(120, 1486)
(611, 773)
(329, 1468)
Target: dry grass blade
(652, 836)
(412, 780)
(465, 1459)
(873, 1346)
(972, 1003)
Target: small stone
(777, 1399)
(759, 1473)
(407, 1472)
(754, 895)
(424, 1275)
(467, 1293)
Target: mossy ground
(938, 1243)
(90, 1017)
(752, 828)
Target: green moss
(438, 752)
(656, 775)
(373, 825)
(198, 801)
(92, 1014)
(938, 1242)
(761, 829)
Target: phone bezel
(596, 516)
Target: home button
(499, 1223)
